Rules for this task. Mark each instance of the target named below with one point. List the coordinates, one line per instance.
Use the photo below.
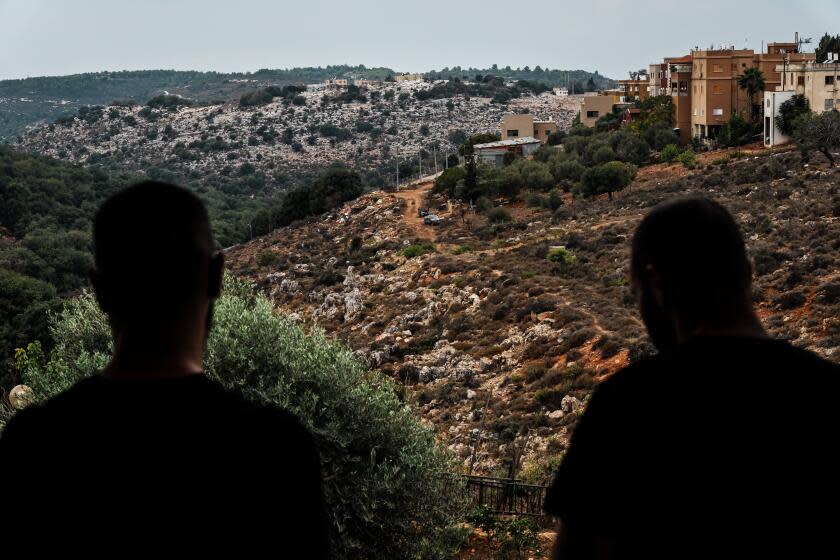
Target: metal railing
(505, 496)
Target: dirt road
(415, 197)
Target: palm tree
(752, 81)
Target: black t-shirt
(181, 462)
(722, 446)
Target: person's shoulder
(40, 417)
(638, 375)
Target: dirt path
(414, 197)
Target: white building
(772, 101)
(561, 92)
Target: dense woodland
(46, 212)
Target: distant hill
(31, 101)
(573, 79)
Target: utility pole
(398, 173)
(420, 163)
(434, 152)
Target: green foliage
(670, 153)
(498, 215)
(828, 44)
(169, 102)
(511, 538)
(607, 178)
(481, 138)
(752, 81)
(660, 135)
(688, 159)
(566, 169)
(266, 257)
(791, 110)
(386, 487)
(736, 131)
(489, 86)
(818, 133)
(255, 98)
(461, 249)
(657, 110)
(578, 80)
(448, 180)
(560, 254)
(418, 249)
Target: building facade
(521, 126)
(494, 152)
(596, 106)
(772, 101)
(819, 83)
(679, 86)
(658, 79)
(634, 89)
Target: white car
(431, 219)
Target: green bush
(670, 153)
(266, 257)
(461, 249)
(560, 254)
(498, 214)
(688, 159)
(418, 249)
(607, 178)
(510, 538)
(387, 489)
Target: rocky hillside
(499, 332)
(283, 141)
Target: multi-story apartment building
(634, 89)
(819, 83)
(679, 86)
(715, 94)
(658, 79)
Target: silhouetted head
(154, 258)
(690, 271)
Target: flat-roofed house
(518, 126)
(494, 152)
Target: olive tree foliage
(388, 484)
(818, 132)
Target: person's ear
(100, 290)
(216, 273)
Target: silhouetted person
(150, 453)
(723, 444)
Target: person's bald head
(153, 251)
(690, 269)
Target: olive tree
(389, 487)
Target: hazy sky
(54, 37)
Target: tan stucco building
(520, 126)
(596, 106)
(819, 83)
(715, 94)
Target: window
(513, 132)
(829, 80)
(702, 112)
(592, 114)
(717, 68)
(829, 104)
(716, 89)
(717, 112)
(684, 87)
(800, 81)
